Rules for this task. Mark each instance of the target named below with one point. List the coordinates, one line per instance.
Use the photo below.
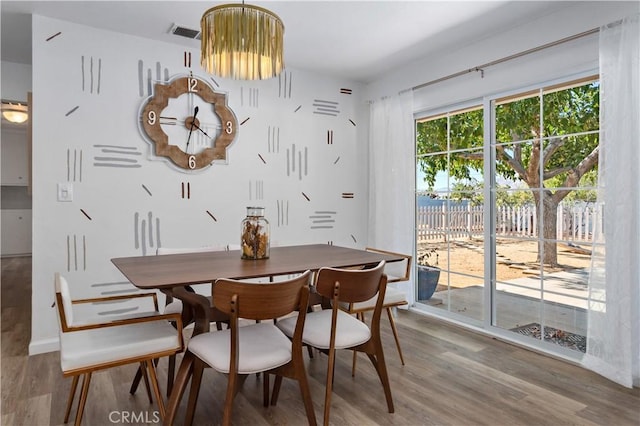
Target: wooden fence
(574, 223)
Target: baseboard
(44, 346)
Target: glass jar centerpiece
(254, 239)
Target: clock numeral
(151, 117)
(193, 82)
(192, 162)
(228, 127)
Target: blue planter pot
(427, 281)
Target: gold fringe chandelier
(242, 42)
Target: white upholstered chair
(332, 328)
(393, 297)
(88, 346)
(257, 347)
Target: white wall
(15, 81)
(73, 121)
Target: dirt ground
(515, 259)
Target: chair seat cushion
(102, 346)
(262, 347)
(392, 297)
(317, 329)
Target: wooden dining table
(172, 273)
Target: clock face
(188, 122)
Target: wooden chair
(260, 347)
(174, 306)
(87, 346)
(332, 328)
(393, 297)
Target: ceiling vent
(185, 32)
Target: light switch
(65, 191)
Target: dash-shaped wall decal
(117, 156)
(297, 160)
(285, 80)
(186, 190)
(147, 189)
(337, 159)
(253, 95)
(283, 212)
(187, 59)
(53, 36)
(146, 81)
(259, 190)
(215, 83)
(94, 72)
(347, 195)
(273, 138)
(329, 137)
(345, 91)
(245, 120)
(305, 196)
(262, 158)
(85, 213)
(113, 288)
(297, 109)
(352, 122)
(74, 166)
(322, 219)
(72, 110)
(325, 107)
(144, 231)
(353, 238)
(72, 252)
(212, 216)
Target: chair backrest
(396, 271)
(356, 285)
(259, 301)
(63, 301)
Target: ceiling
(356, 40)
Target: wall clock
(188, 122)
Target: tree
(550, 154)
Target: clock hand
(193, 120)
(197, 127)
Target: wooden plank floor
(452, 377)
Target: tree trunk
(547, 247)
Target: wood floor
(451, 377)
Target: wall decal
(145, 84)
(72, 253)
(284, 84)
(74, 166)
(215, 83)
(297, 109)
(262, 158)
(72, 110)
(353, 122)
(143, 232)
(252, 97)
(147, 189)
(305, 196)
(212, 216)
(322, 219)
(337, 159)
(259, 190)
(54, 36)
(91, 73)
(85, 213)
(301, 158)
(187, 59)
(330, 243)
(283, 212)
(273, 138)
(245, 120)
(113, 288)
(119, 156)
(354, 238)
(188, 190)
(345, 91)
(329, 137)
(325, 107)
(347, 195)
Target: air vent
(185, 32)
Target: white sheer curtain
(392, 177)
(613, 335)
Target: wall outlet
(65, 191)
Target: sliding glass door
(506, 212)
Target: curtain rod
(507, 58)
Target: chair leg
(182, 378)
(83, 398)
(265, 389)
(196, 380)
(72, 394)
(171, 371)
(329, 386)
(276, 390)
(306, 397)
(136, 381)
(395, 333)
(228, 401)
(381, 368)
(156, 388)
(145, 376)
